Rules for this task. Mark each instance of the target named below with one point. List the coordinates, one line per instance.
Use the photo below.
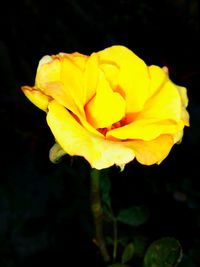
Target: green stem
(98, 213)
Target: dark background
(44, 208)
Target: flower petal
(48, 81)
(75, 140)
(72, 80)
(106, 107)
(178, 137)
(90, 77)
(151, 152)
(145, 129)
(162, 114)
(165, 104)
(183, 94)
(48, 71)
(55, 90)
(61, 77)
(36, 97)
(132, 68)
(158, 77)
(78, 59)
(111, 72)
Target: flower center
(115, 125)
(106, 107)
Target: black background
(44, 208)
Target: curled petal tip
(45, 60)
(36, 97)
(166, 70)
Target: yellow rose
(110, 107)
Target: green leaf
(134, 216)
(128, 253)
(124, 240)
(165, 252)
(118, 265)
(139, 245)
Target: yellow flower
(110, 107)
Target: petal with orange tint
(56, 91)
(106, 107)
(48, 80)
(145, 129)
(36, 97)
(77, 58)
(133, 75)
(76, 140)
(62, 73)
(151, 152)
(57, 77)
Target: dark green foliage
(128, 253)
(134, 216)
(118, 265)
(166, 252)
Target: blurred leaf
(134, 216)
(140, 245)
(118, 265)
(128, 253)
(107, 211)
(109, 240)
(165, 252)
(124, 240)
